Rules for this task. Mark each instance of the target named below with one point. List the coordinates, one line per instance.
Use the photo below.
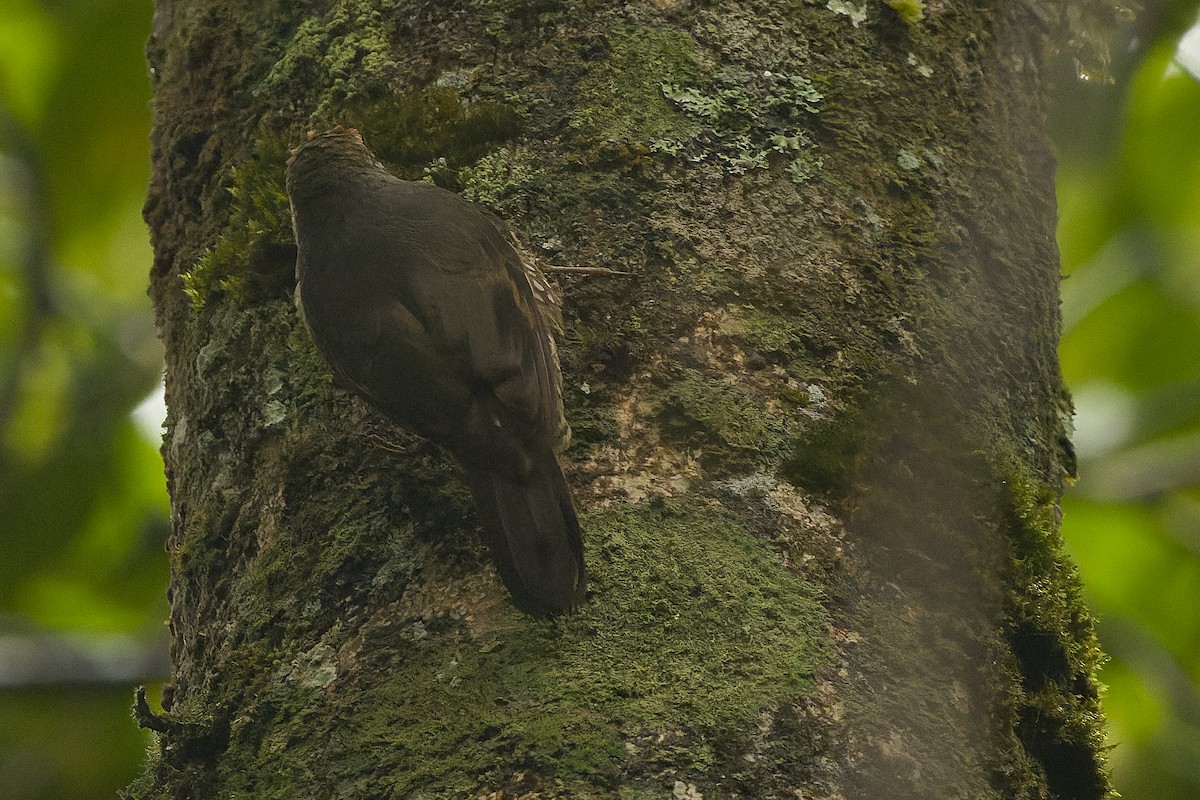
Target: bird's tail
(531, 530)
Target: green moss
(246, 254)
(693, 625)
(336, 56)
(693, 630)
(763, 332)
(505, 180)
(805, 166)
(345, 53)
(408, 132)
(694, 403)
(511, 23)
(428, 126)
(826, 459)
(911, 11)
(621, 99)
(693, 612)
(592, 422)
(1052, 635)
(743, 118)
(145, 785)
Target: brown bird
(422, 306)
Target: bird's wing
(379, 347)
(426, 391)
(468, 286)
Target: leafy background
(1129, 231)
(83, 513)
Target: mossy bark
(819, 422)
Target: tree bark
(820, 431)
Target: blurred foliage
(1129, 197)
(83, 509)
(83, 512)
(68, 743)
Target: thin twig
(144, 716)
(575, 270)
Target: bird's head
(327, 159)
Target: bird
(426, 307)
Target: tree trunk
(819, 423)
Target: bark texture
(819, 424)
